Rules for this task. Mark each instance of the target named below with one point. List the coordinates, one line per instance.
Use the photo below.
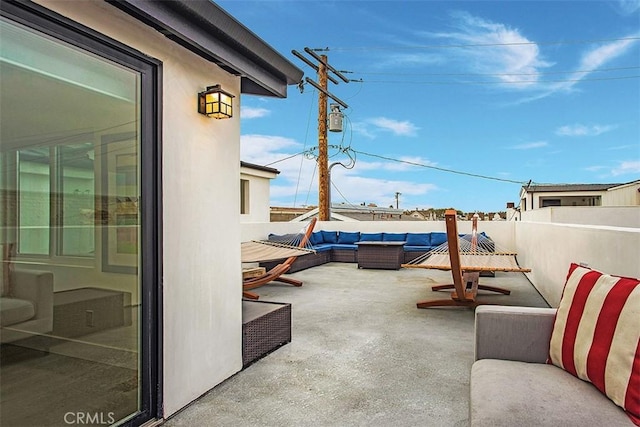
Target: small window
(244, 196)
(551, 202)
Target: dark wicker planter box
(266, 326)
(302, 262)
(344, 255)
(380, 255)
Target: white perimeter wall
(618, 216)
(202, 324)
(549, 249)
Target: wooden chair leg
(249, 295)
(495, 289)
(288, 281)
(447, 303)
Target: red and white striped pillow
(596, 334)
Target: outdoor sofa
(575, 365)
(26, 305)
(341, 246)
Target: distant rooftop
(568, 187)
(258, 167)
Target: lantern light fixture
(215, 102)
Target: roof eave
(207, 30)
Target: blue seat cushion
(316, 238)
(323, 247)
(329, 236)
(438, 238)
(343, 246)
(370, 237)
(394, 237)
(348, 238)
(418, 239)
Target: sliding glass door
(78, 262)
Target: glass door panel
(70, 233)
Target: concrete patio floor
(361, 354)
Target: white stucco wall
(202, 335)
(618, 216)
(259, 195)
(549, 249)
(625, 195)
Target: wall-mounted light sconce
(216, 103)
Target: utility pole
(323, 150)
(322, 69)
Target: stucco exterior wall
(625, 195)
(202, 336)
(259, 195)
(618, 216)
(549, 249)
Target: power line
(448, 46)
(540, 73)
(475, 175)
(287, 158)
(469, 82)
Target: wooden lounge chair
(275, 274)
(465, 283)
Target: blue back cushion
(370, 237)
(438, 238)
(418, 239)
(348, 238)
(330, 236)
(282, 238)
(394, 237)
(316, 238)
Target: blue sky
(459, 103)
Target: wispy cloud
(592, 59)
(595, 168)
(297, 183)
(529, 145)
(583, 130)
(627, 7)
(506, 54)
(253, 112)
(401, 128)
(379, 191)
(626, 167)
(264, 149)
(498, 50)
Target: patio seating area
(361, 354)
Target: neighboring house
(540, 196)
(112, 181)
(255, 192)
(418, 214)
(286, 214)
(344, 212)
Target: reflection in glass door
(70, 241)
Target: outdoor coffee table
(380, 255)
